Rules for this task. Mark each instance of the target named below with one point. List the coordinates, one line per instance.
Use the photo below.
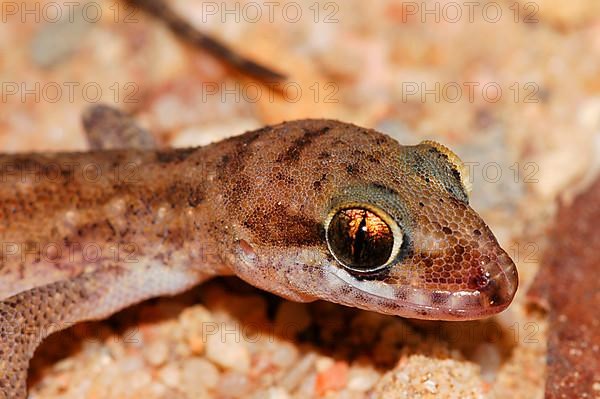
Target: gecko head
(353, 217)
(410, 244)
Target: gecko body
(310, 209)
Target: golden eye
(360, 240)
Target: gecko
(308, 209)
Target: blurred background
(512, 86)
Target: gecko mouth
(408, 301)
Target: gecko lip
(435, 304)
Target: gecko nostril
(502, 281)
(480, 281)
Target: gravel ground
(516, 95)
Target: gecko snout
(498, 283)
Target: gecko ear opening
(454, 165)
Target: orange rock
(332, 379)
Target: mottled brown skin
(256, 206)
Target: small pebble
(277, 393)
(362, 378)
(332, 379)
(430, 386)
(234, 384)
(196, 322)
(307, 388)
(323, 364)
(139, 380)
(156, 353)
(272, 393)
(284, 355)
(292, 379)
(197, 371)
(170, 375)
(228, 350)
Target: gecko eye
(360, 240)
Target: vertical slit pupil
(359, 238)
